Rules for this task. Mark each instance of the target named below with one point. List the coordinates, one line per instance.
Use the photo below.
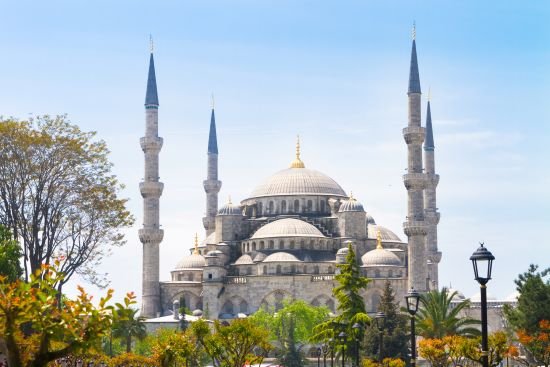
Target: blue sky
(335, 73)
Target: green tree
(37, 330)
(291, 327)
(127, 326)
(170, 348)
(10, 256)
(436, 318)
(234, 345)
(534, 297)
(395, 331)
(351, 307)
(57, 194)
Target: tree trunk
(128, 343)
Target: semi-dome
(370, 219)
(298, 181)
(260, 256)
(386, 234)
(351, 205)
(193, 261)
(280, 257)
(244, 260)
(459, 296)
(230, 209)
(380, 257)
(288, 227)
(477, 297)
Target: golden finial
(351, 196)
(151, 44)
(212, 104)
(196, 250)
(297, 162)
(379, 240)
(414, 31)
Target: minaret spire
(151, 189)
(211, 185)
(415, 180)
(431, 215)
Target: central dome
(298, 181)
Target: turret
(211, 185)
(151, 190)
(431, 215)
(414, 180)
(352, 219)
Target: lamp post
(342, 337)
(331, 344)
(482, 260)
(412, 299)
(357, 332)
(380, 319)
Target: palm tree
(437, 317)
(127, 326)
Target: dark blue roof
(212, 138)
(414, 77)
(151, 96)
(429, 142)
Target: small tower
(431, 215)
(211, 185)
(151, 190)
(414, 181)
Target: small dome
(477, 297)
(193, 261)
(386, 234)
(280, 257)
(380, 257)
(288, 227)
(458, 296)
(230, 209)
(244, 260)
(260, 256)
(197, 313)
(370, 219)
(351, 205)
(342, 251)
(513, 297)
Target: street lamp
(380, 319)
(412, 299)
(357, 331)
(482, 260)
(342, 337)
(331, 343)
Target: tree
(533, 301)
(291, 327)
(57, 194)
(351, 306)
(537, 344)
(37, 330)
(127, 326)
(10, 256)
(395, 330)
(233, 345)
(436, 318)
(174, 348)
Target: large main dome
(298, 181)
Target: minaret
(414, 181)
(151, 189)
(431, 215)
(211, 185)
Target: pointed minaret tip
(151, 95)
(414, 77)
(429, 141)
(212, 135)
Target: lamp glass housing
(482, 261)
(412, 298)
(380, 319)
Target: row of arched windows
(290, 207)
(288, 245)
(280, 269)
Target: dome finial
(212, 102)
(351, 196)
(151, 44)
(379, 240)
(229, 200)
(196, 250)
(414, 31)
(297, 162)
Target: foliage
(127, 326)
(37, 329)
(10, 256)
(437, 319)
(498, 348)
(58, 195)
(433, 350)
(533, 300)
(351, 306)
(537, 344)
(129, 359)
(386, 362)
(395, 331)
(233, 345)
(172, 348)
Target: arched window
(248, 247)
(305, 269)
(260, 208)
(291, 245)
(278, 271)
(271, 245)
(265, 269)
(283, 206)
(390, 274)
(249, 271)
(322, 206)
(227, 307)
(253, 246)
(316, 269)
(281, 244)
(377, 273)
(191, 277)
(330, 270)
(262, 246)
(271, 209)
(309, 206)
(302, 244)
(293, 269)
(243, 307)
(296, 206)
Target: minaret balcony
(413, 228)
(151, 144)
(431, 216)
(414, 134)
(150, 189)
(151, 235)
(212, 186)
(432, 180)
(435, 257)
(414, 181)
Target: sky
(335, 73)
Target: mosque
(285, 239)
